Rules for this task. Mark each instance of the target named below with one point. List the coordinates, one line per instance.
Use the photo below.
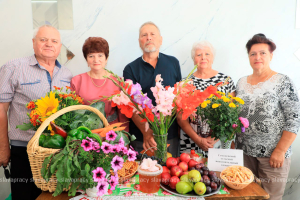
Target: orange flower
(149, 114)
(57, 88)
(31, 105)
(68, 88)
(126, 110)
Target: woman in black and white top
(203, 56)
(273, 109)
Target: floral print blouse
(271, 107)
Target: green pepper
(84, 129)
(42, 140)
(81, 135)
(55, 142)
(73, 132)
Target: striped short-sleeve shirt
(21, 81)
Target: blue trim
(57, 64)
(38, 81)
(65, 81)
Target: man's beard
(149, 49)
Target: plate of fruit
(186, 177)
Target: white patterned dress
(271, 107)
(186, 143)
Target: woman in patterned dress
(190, 138)
(273, 109)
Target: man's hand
(149, 141)
(4, 156)
(277, 158)
(4, 143)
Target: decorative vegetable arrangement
(87, 163)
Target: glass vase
(161, 141)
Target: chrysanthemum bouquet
(221, 113)
(54, 101)
(88, 164)
(183, 99)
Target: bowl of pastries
(237, 177)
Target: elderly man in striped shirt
(21, 81)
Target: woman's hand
(205, 143)
(277, 158)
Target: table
(252, 191)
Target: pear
(184, 178)
(200, 188)
(183, 187)
(194, 176)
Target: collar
(145, 61)
(33, 61)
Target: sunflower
(47, 106)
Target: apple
(173, 181)
(165, 169)
(184, 157)
(183, 173)
(171, 162)
(176, 171)
(192, 163)
(165, 178)
(184, 166)
(178, 159)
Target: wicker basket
(235, 185)
(37, 154)
(127, 172)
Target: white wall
(226, 24)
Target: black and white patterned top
(271, 107)
(186, 143)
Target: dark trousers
(22, 184)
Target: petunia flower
(111, 135)
(131, 155)
(124, 150)
(117, 163)
(99, 174)
(86, 145)
(106, 147)
(113, 182)
(115, 148)
(102, 188)
(244, 121)
(243, 129)
(121, 142)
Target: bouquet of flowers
(183, 99)
(221, 113)
(88, 164)
(56, 100)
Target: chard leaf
(60, 122)
(72, 191)
(87, 168)
(75, 124)
(56, 162)
(58, 190)
(25, 127)
(44, 167)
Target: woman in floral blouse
(273, 109)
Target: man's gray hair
(202, 45)
(36, 30)
(148, 23)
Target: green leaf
(87, 168)
(44, 167)
(100, 106)
(25, 127)
(92, 121)
(60, 122)
(58, 190)
(75, 124)
(58, 158)
(72, 191)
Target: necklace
(264, 79)
(95, 83)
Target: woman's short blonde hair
(202, 45)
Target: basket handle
(148, 150)
(35, 139)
